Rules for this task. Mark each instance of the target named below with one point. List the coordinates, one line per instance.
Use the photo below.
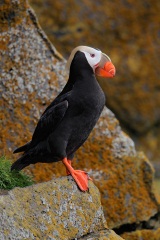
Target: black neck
(80, 72)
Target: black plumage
(68, 120)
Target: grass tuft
(8, 179)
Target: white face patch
(92, 55)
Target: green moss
(8, 179)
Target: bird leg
(80, 177)
(69, 162)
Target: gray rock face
(31, 72)
(52, 210)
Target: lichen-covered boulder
(53, 210)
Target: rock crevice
(152, 223)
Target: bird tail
(21, 163)
(22, 148)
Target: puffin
(67, 122)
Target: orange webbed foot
(80, 177)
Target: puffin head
(98, 61)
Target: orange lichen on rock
(31, 73)
(143, 234)
(52, 210)
(102, 235)
(12, 13)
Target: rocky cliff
(32, 73)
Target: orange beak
(105, 68)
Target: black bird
(68, 120)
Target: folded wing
(48, 122)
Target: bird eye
(92, 55)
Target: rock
(150, 144)
(52, 210)
(32, 73)
(102, 235)
(143, 234)
(132, 42)
(125, 182)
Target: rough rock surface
(143, 234)
(32, 73)
(102, 235)
(129, 33)
(53, 210)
